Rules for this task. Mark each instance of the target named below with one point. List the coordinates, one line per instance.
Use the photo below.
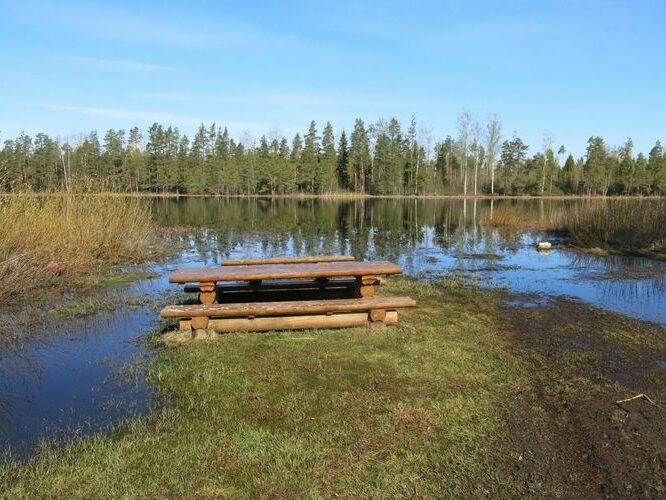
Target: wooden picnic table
(207, 277)
(286, 293)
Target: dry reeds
(519, 217)
(619, 224)
(46, 240)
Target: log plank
(287, 260)
(345, 320)
(285, 308)
(282, 271)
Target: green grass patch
(315, 413)
(118, 278)
(466, 397)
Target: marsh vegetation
(619, 225)
(58, 240)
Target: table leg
(207, 294)
(365, 286)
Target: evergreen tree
(310, 160)
(327, 180)
(359, 156)
(657, 169)
(343, 162)
(513, 155)
(598, 167)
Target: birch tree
(548, 141)
(477, 150)
(464, 123)
(493, 133)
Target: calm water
(86, 375)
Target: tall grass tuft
(518, 216)
(619, 224)
(48, 240)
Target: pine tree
(359, 156)
(598, 167)
(327, 180)
(657, 169)
(310, 160)
(343, 162)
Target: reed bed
(51, 240)
(517, 216)
(619, 224)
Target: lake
(85, 375)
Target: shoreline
(344, 196)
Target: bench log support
(260, 324)
(207, 294)
(365, 286)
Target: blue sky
(573, 68)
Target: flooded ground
(84, 375)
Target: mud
(568, 433)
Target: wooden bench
(311, 259)
(289, 315)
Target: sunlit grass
(464, 398)
(352, 412)
(46, 241)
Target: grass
(51, 241)
(466, 397)
(618, 224)
(349, 412)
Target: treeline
(382, 158)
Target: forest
(382, 158)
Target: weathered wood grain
(304, 307)
(345, 320)
(282, 271)
(287, 260)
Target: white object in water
(544, 245)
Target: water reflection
(427, 237)
(66, 379)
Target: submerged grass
(619, 224)
(444, 404)
(50, 241)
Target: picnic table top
(210, 274)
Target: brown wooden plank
(266, 285)
(285, 308)
(282, 271)
(346, 320)
(287, 260)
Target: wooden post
(365, 286)
(207, 293)
(199, 323)
(377, 315)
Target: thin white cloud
(117, 64)
(132, 115)
(289, 99)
